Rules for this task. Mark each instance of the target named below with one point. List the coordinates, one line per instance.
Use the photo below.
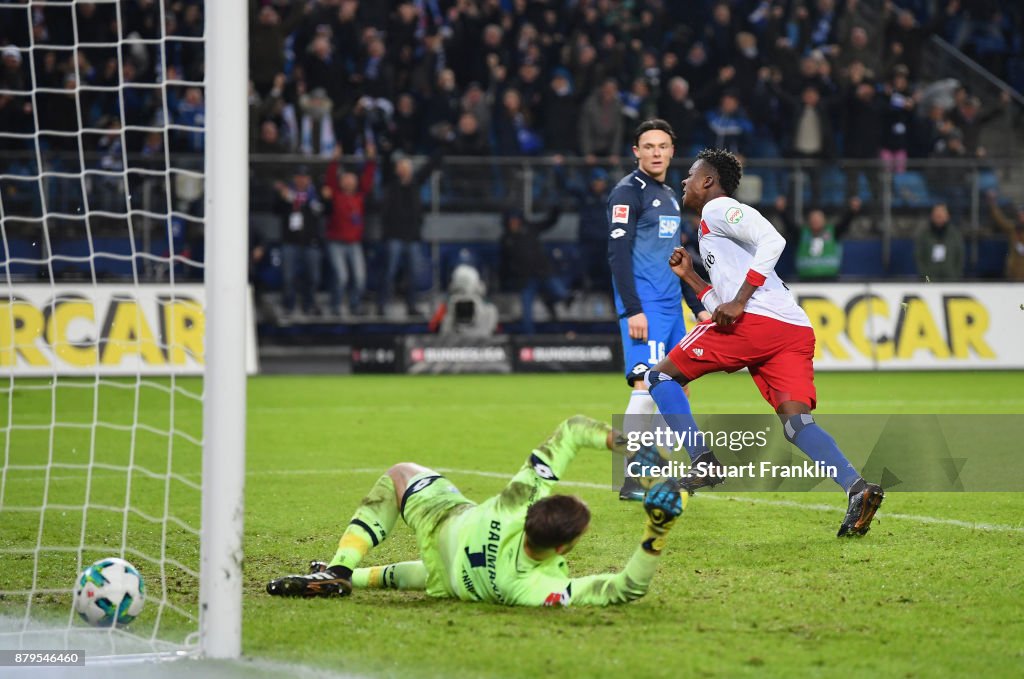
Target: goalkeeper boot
(706, 472)
(634, 486)
(865, 499)
(321, 584)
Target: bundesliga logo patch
(620, 214)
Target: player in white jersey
(755, 324)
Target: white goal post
(226, 279)
(109, 444)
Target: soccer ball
(109, 592)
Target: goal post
(226, 279)
(124, 352)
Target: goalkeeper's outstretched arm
(548, 461)
(663, 504)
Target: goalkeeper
(509, 550)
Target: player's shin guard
(675, 410)
(803, 432)
(404, 575)
(372, 522)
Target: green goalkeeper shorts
(429, 502)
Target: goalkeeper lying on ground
(507, 550)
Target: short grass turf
(750, 585)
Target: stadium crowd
(813, 80)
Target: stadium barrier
(48, 330)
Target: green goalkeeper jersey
(486, 559)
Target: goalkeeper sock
(404, 575)
(675, 410)
(371, 523)
(803, 432)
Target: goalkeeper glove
(663, 504)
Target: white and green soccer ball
(109, 592)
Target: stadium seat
(862, 258)
(901, 258)
(991, 258)
(77, 248)
(20, 248)
(910, 190)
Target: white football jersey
(737, 243)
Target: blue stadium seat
(20, 248)
(901, 258)
(862, 258)
(909, 189)
(109, 266)
(76, 247)
(987, 181)
(991, 258)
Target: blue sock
(803, 432)
(674, 407)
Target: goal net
(117, 319)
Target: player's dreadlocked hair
(727, 167)
(555, 521)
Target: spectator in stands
(405, 130)
(442, 108)
(12, 75)
(818, 242)
(401, 228)
(947, 178)
(1015, 233)
(347, 195)
(526, 267)
(861, 48)
(269, 140)
(191, 112)
(267, 33)
(939, 247)
(600, 124)
(810, 137)
(897, 120)
(514, 133)
(969, 117)
(300, 209)
(561, 109)
(863, 126)
(729, 126)
(592, 206)
(679, 110)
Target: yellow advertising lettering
(967, 322)
(829, 323)
(82, 354)
(21, 324)
(184, 326)
(126, 332)
(859, 320)
(916, 330)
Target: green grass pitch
(750, 585)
